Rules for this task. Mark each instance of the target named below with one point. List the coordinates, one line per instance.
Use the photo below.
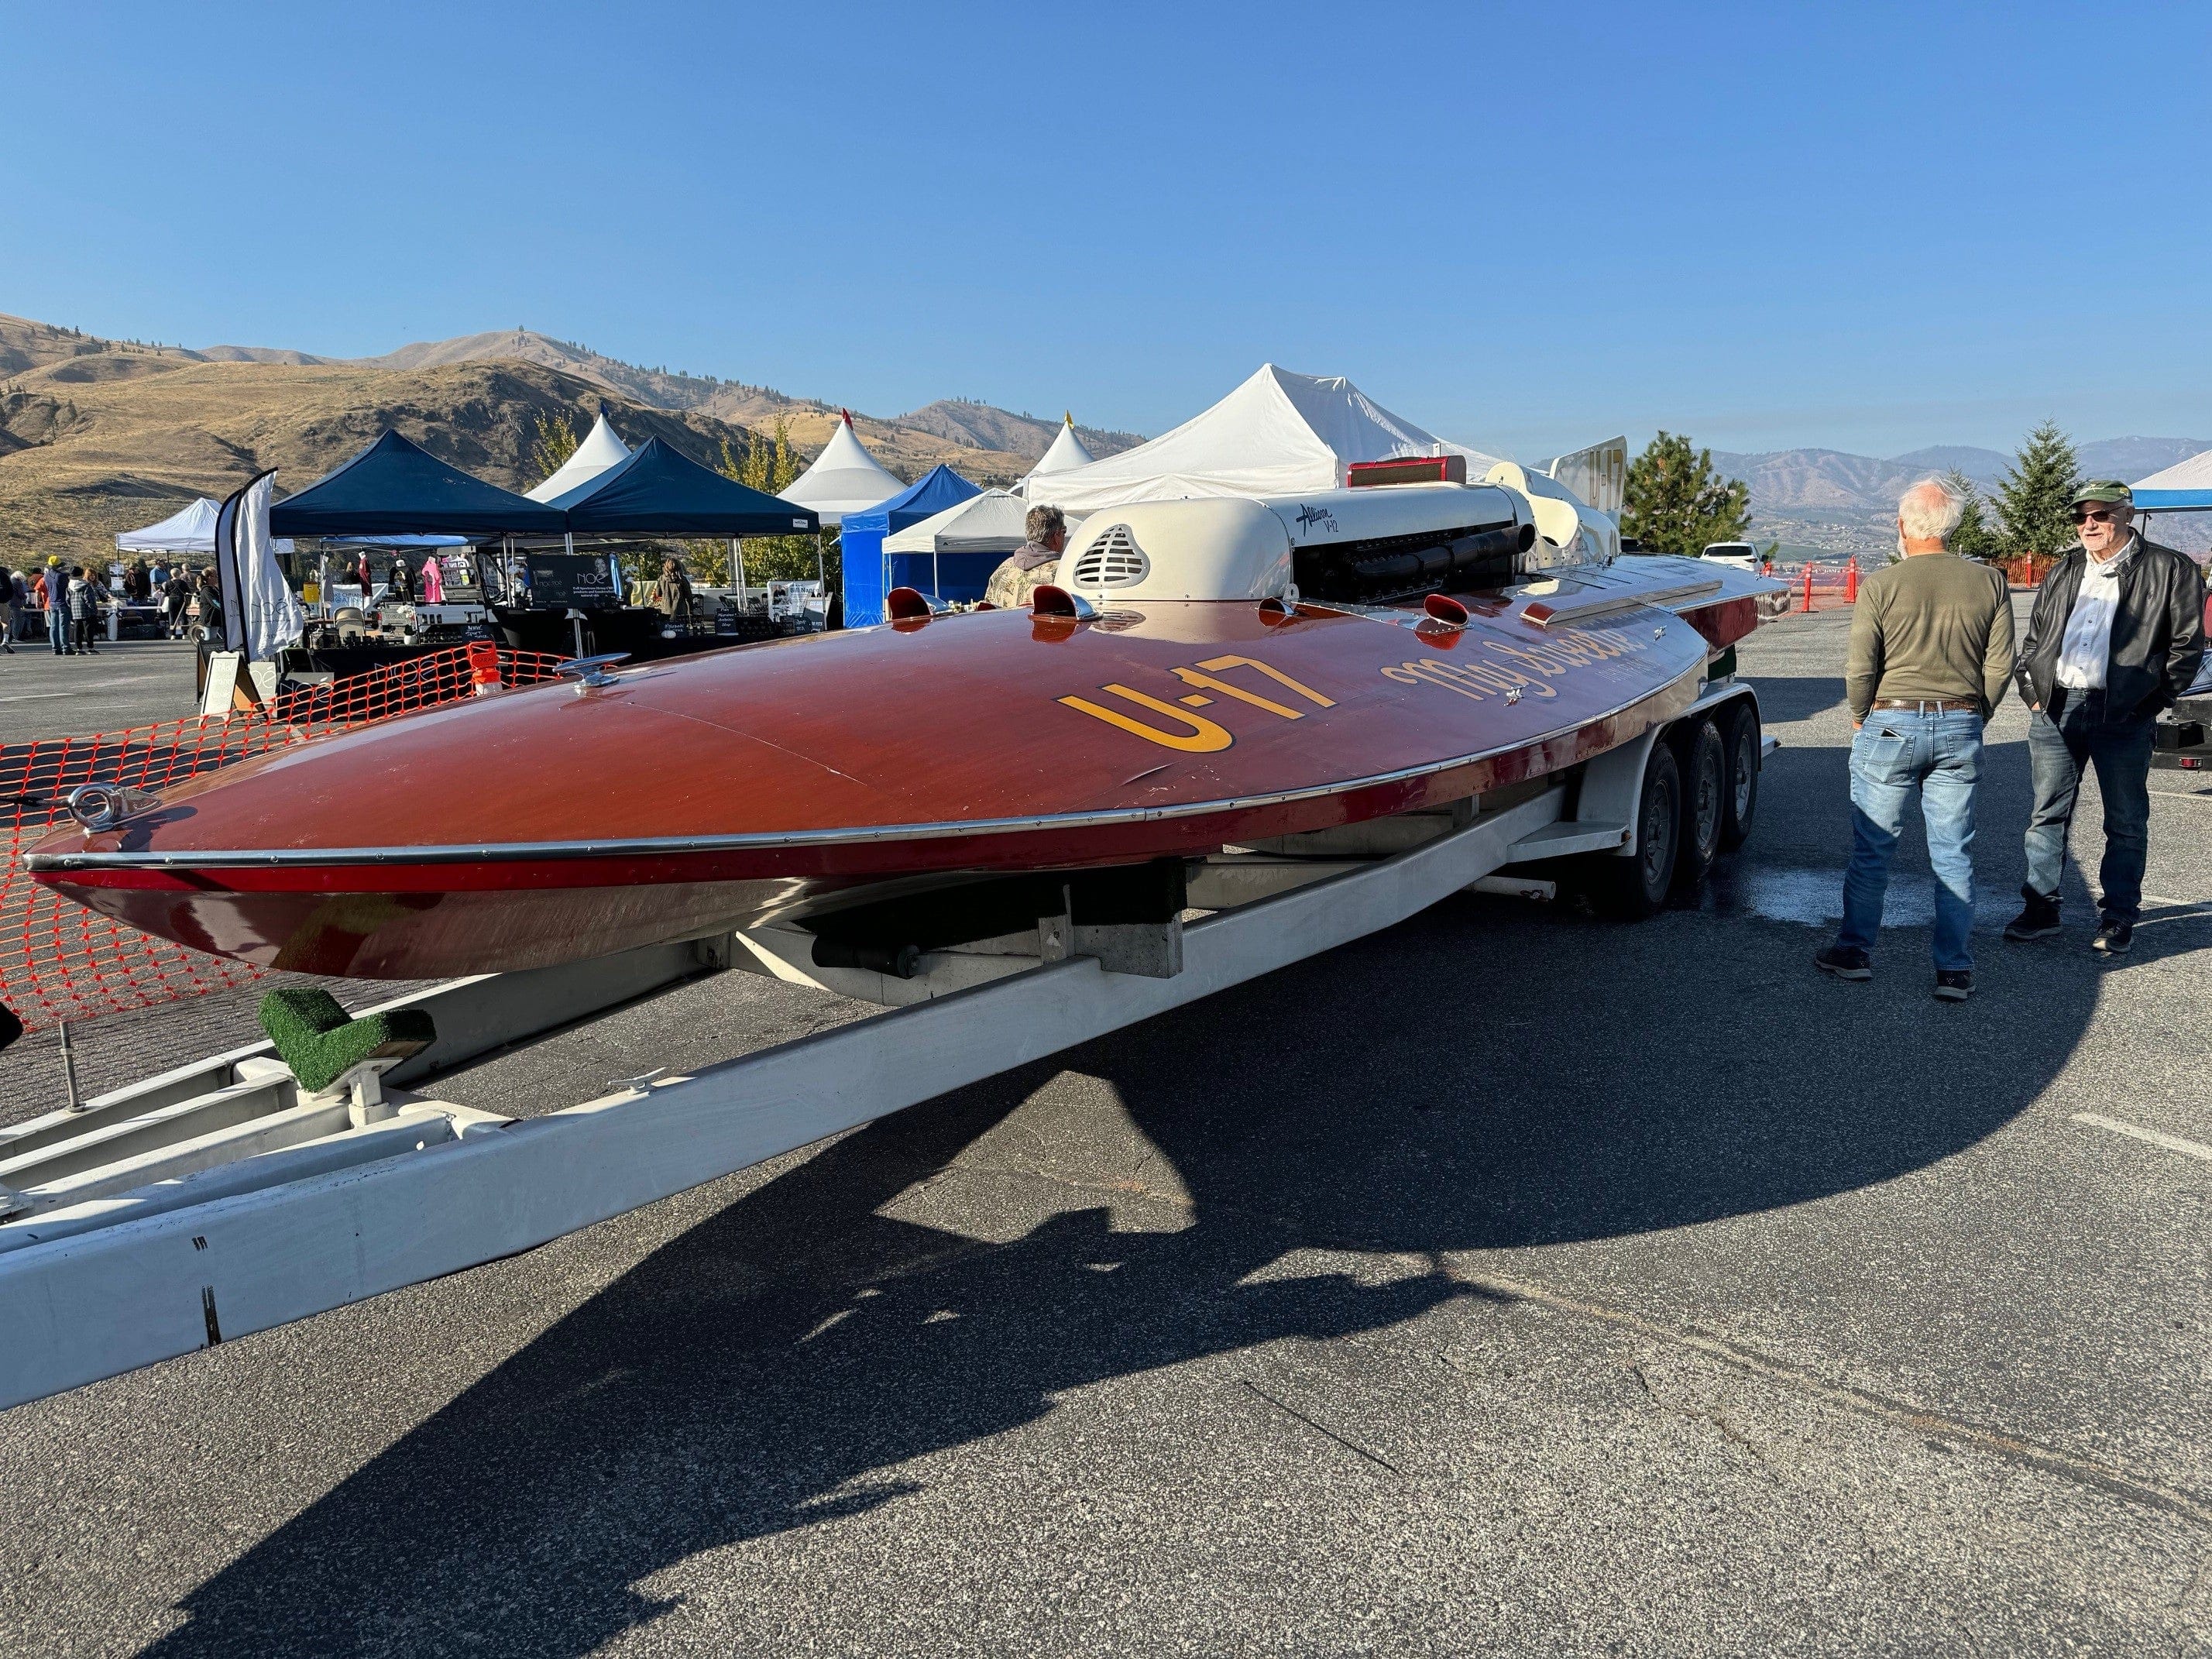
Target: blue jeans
(2057, 751)
(1898, 753)
(57, 630)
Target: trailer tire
(1705, 793)
(1632, 888)
(1740, 738)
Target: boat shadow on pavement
(1488, 1076)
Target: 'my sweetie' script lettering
(1498, 669)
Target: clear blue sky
(1766, 225)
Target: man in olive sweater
(1931, 656)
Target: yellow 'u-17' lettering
(1205, 736)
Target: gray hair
(1930, 510)
(1041, 522)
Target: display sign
(561, 579)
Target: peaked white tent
(1067, 451)
(600, 450)
(844, 478)
(188, 530)
(1276, 435)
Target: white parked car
(1742, 555)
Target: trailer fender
(1613, 784)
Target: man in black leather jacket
(2117, 634)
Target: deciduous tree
(551, 444)
(1677, 503)
(769, 464)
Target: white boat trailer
(220, 1199)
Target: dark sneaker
(1953, 985)
(2039, 919)
(1845, 962)
(2113, 938)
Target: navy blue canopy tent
(658, 491)
(869, 575)
(396, 488)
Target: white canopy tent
(2187, 485)
(1067, 451)
(992, 522)
(188, 530)
(1276, 435)
(844, 478)
(600, 450)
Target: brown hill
(99, 435)
(963, 424)
(87, 450)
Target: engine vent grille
(1113, 560)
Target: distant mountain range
(98, 435)
(1825, 498)
(973, 426)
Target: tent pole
(936, 581)
(738, 554)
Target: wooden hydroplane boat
(1206, 673)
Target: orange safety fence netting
(61, 961)
(1820, 586)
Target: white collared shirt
(2086, 648)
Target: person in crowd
(210, 598)
(158, 578)
(672, 595)
(2117, 634)
(433, 581)
(83, 609)
(1033, 564)
(176, 597)
(57, 608)
(1931, 656)
(10, 607)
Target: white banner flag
(261, 614)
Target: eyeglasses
(2083, 516)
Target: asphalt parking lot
(1511, 1282)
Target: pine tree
(1676, 503)
(2035, 502)
(1973, 538)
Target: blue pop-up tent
(869, 575)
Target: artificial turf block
(320, 1041)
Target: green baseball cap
(2104, 489)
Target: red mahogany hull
(552, 824)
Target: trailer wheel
(1740, 738)
(1630, 888)
(1705, 795)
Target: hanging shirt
(2086, 648)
